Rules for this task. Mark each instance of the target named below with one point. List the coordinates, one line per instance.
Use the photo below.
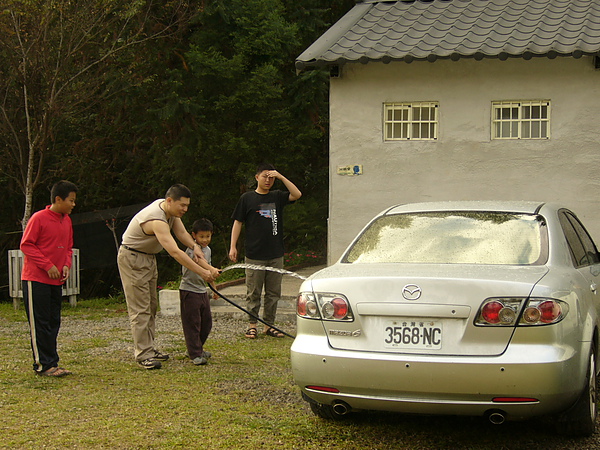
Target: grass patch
(244, 398)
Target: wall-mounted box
(355, 169)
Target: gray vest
(135, 237)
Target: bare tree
(54, 56)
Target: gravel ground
(169, 333)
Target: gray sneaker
(150, 363)
(206, 355)
(199, 360)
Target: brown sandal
(55, 372)
(251, 333)
(274, 333)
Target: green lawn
(244, 398)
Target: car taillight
(306, 306)
(323, 306)
(543, 311)
(491, 312)
(336, 308)
(506, 311)
(499, 311)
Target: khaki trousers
(139, 276)
(256, 280)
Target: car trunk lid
(398, 309)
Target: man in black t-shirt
(262, 212)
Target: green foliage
(202, 105)
(60, 61)
(171, 284)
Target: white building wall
(464, 163)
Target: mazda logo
(411, 292)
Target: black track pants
(42, 304)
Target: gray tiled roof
(431, 29)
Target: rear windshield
(452, 238)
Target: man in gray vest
(147, 234)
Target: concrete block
(168, 300)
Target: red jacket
(47, 241)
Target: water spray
(256, 267)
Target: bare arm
(186, 239)
(236, 230)
(295, 193)
(182, 235)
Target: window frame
(523, 123)
(410, 121)
(581, 245)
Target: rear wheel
(580, 419)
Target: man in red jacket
(47, 244)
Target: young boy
(262, 212)
(196, 317)
(47, 244)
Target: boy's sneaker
(160, 356)
(206, 355)
(150, 363)
(200, 360)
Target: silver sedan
(462, 308)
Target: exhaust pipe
(341, 408)
(497, 417)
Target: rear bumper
(440, 385)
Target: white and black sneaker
(150, 363)
(160, 356)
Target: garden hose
(249, 313)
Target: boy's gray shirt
(191, 281)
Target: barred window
(410, 121)
(521, 119)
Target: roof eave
(302, 65)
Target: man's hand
(65, 273)
(206, 275)
(233, 254)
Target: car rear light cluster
(323, 306)
(512, 311)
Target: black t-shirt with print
(262, 215)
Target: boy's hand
(215, 296)
(53, 273)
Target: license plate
(412, 334)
